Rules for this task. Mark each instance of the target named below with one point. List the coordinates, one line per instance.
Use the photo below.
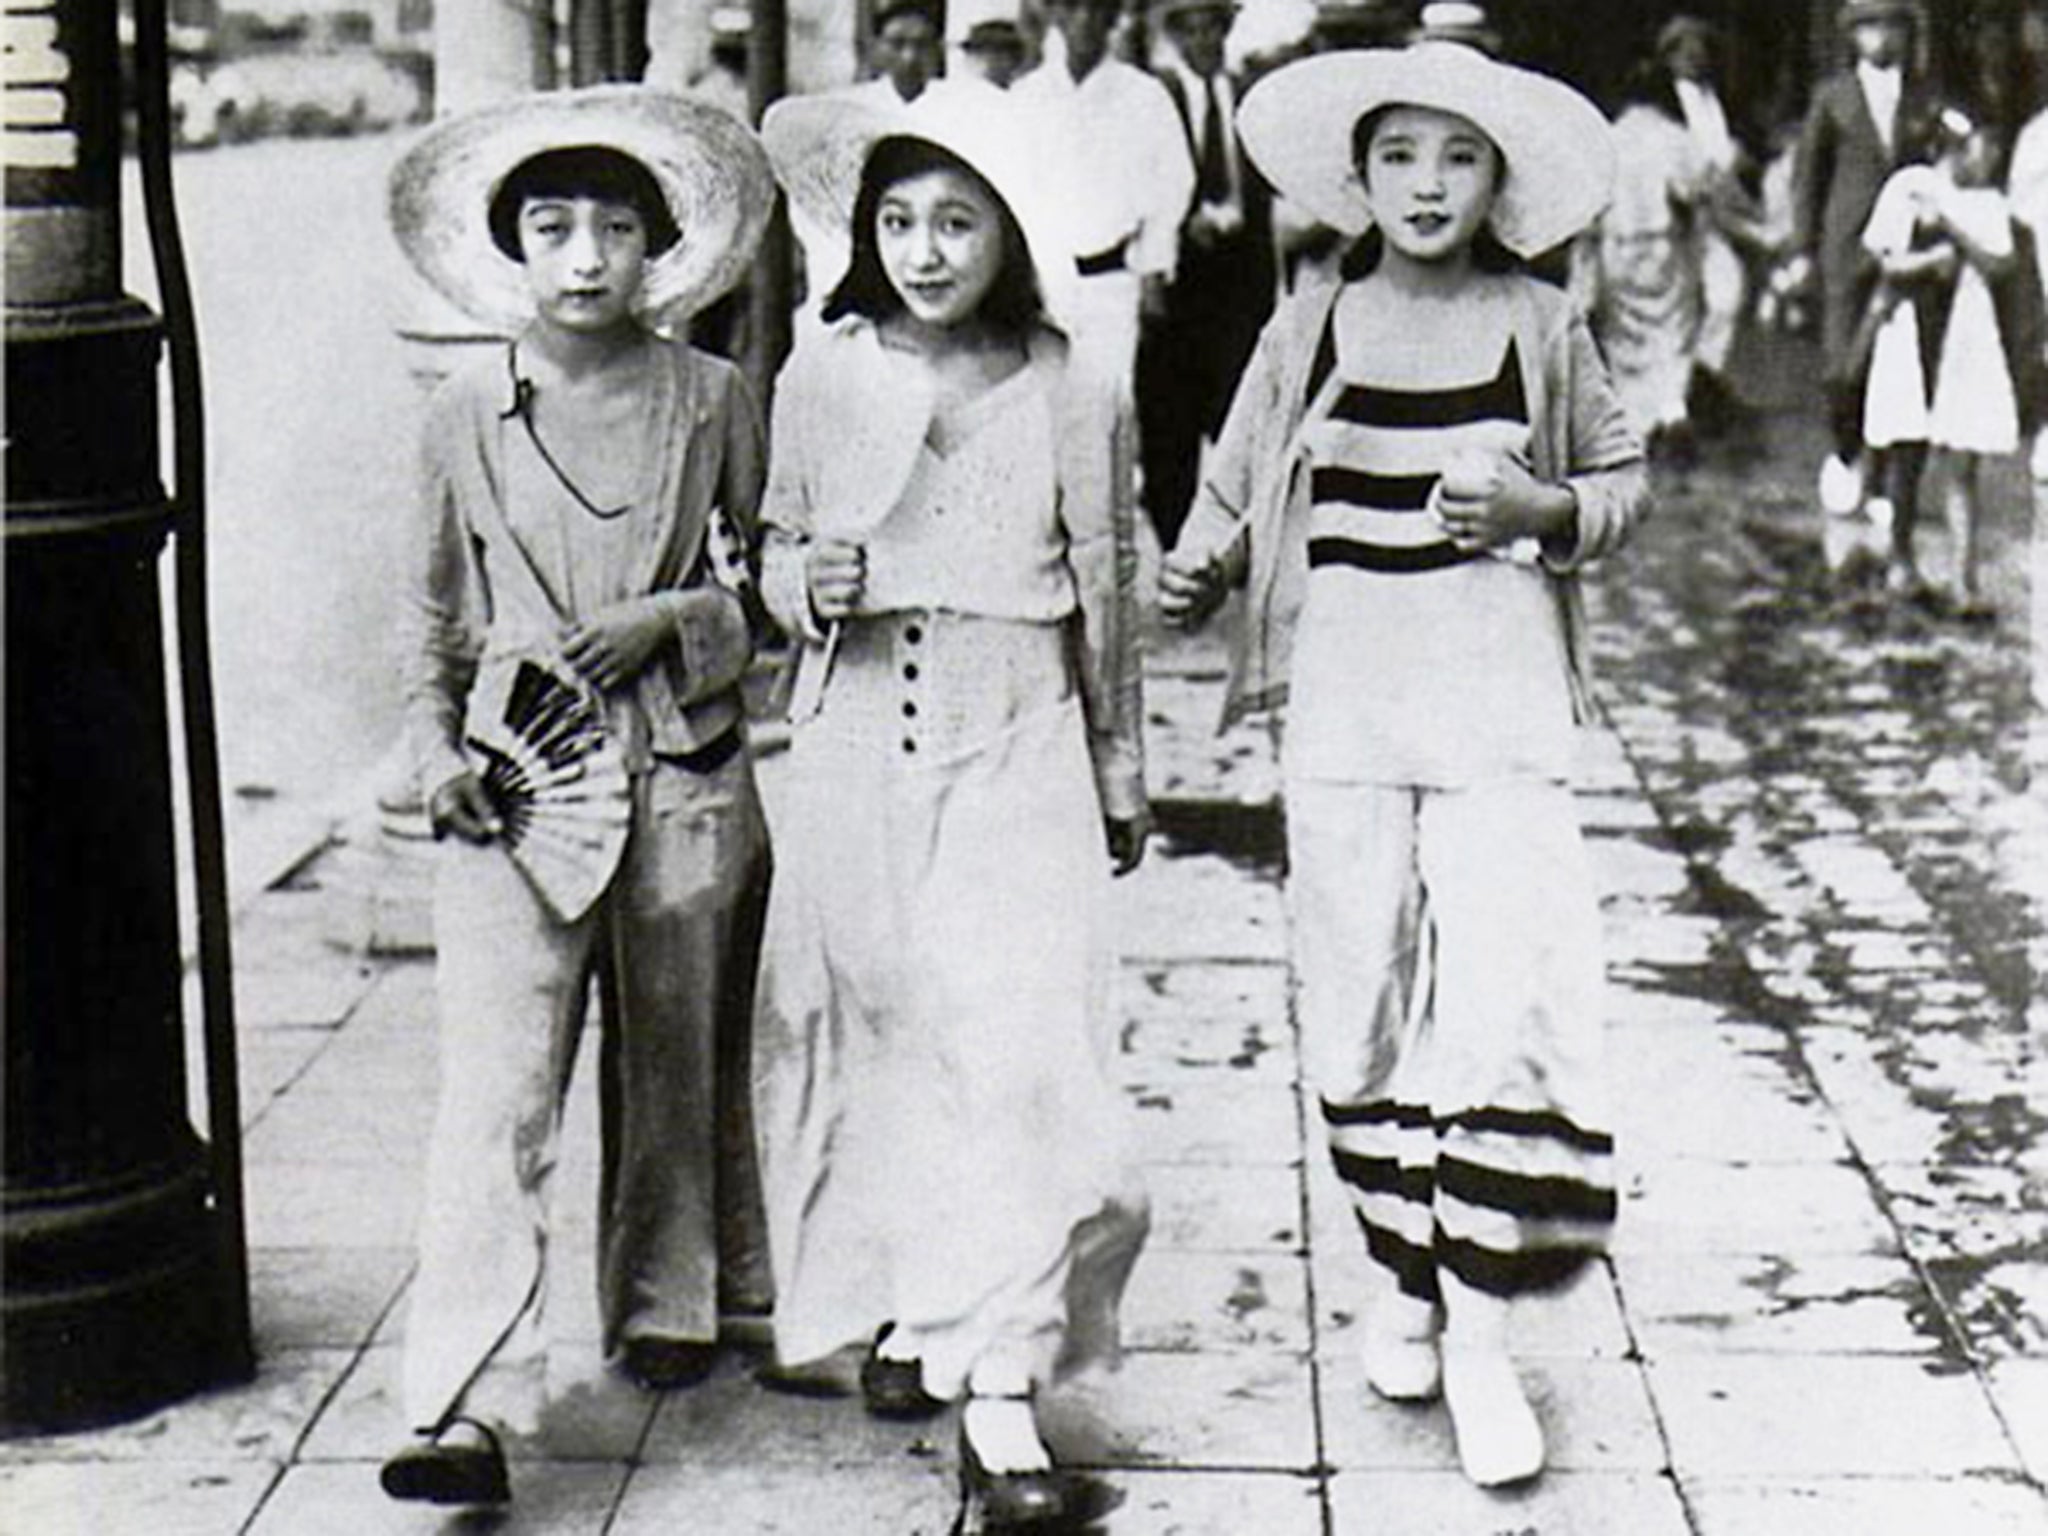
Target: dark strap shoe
(894, 1389)
(433, 1472)
(1010, 1501)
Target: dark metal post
(117, 1294)
(775, 272)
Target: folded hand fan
(556, 778)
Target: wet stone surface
(1849, 779)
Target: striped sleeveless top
(1416, 662)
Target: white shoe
(1399, 1349)
(1402, 1370)
(1881, 513)
(1499, 1439)
(1841, 487)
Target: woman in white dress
(950, 538)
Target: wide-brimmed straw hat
(1297, 126)
(819, 146)
(1456, 21)
(1857, 11)
(709, 166)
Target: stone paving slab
(1596, 1416)
(1748, 1416)
(1889, 1506)
(1202, 990)
(1212, 1504)
(1224, 1210)
(260, 1421)
(733, 1420)
(1420, 1503)
(106, 1498)
(1193, 1411)
(2019, 1391)
(324, 1205)
(383, 1135)
(1724, 1092)
(1781, 1304)
(335, 1298)
(905, 1498)
(1190, 1052)
(1197, 909)
(1227, 1121)
(1698, 1206)
(592, 1414)
(343, 1499)
(1181, 1302)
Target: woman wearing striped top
(1423, 451)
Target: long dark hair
(581, 170)
(1013, 301)
(1488, 254)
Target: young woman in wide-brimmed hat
(571, 673)
(1423, 452)
(950, 539)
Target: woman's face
(1880, 40)
(1430, 179)
(940, 238)
(1976, 161)
(586, 259)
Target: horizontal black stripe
(1384, 1176)
(1375, 1112)
(1362, 488)
(1542, 1123)
(1498, 399)
(1384, 557)
(1528, 1272)
(1413, 1267)
(1524, 1194)
(712, 756)
(1098, 263)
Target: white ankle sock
(1004, 1434)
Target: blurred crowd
(1733, 209)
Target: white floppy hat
(709, 167)
(819, 145)
(1297, 125)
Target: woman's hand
(461, 806)
(1491, 499)
(611, 646)
(1126, 837)
(1189, 590)
(836, 572)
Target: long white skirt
(942, 1147)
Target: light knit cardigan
(1251, 510)
(846, 435)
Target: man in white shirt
(1190, 355)
(1114, 140)
(905, 49)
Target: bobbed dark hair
(1012, 303)
(581, 170)
(1488, 254)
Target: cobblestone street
(1827, 1311)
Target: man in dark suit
(1190, 355)
(1864, 123)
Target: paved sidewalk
(1825, 1313)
